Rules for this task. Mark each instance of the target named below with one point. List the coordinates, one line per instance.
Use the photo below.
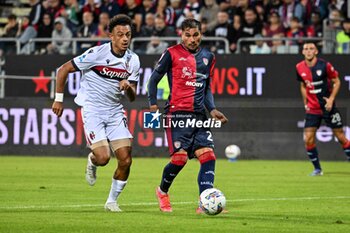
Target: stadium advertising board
(28, 127)
(261, 99)
(234, 76)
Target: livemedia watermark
(156, 120)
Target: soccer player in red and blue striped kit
(189, 69)
(319, 86)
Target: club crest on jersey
(177, 144)
(92, 135)
(186, 72)
(205, 61)
(319, 72)
(107, 61)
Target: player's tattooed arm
(129, 89)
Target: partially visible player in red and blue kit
(189, 69)
(319, 86)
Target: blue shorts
(189, 139)
(332, 119)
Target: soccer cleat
(112, 207)
(317, 172)
(164, 202)
(90, 173)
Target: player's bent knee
(102, 159)
(206, 156)
(179, 158)
(309, 139)
(125, 163)
(309, 142)
(101, 151)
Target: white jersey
(102, 70)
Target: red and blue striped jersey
(318, 82)
(189, 77)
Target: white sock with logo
(117, 187)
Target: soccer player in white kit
(107, 70)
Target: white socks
(116, 188)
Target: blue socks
(206, 175)
(313, 156)
(169, 173)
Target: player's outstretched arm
(61, 78)
(129, 89)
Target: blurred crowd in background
(154, 19)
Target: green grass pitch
(40, 194)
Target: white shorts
(100, 126)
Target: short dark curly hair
(120, 19)
(190, 23)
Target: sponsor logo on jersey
(312, 84)
(317, 83)
(193, 84)
(112, 73)
(182, 59)
(316, 91)
(308, 84)
(303, 75)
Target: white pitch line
(173, 203)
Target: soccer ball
(212, 201)
(232, 151)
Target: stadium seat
(21, 11)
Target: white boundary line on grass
(174, 203)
